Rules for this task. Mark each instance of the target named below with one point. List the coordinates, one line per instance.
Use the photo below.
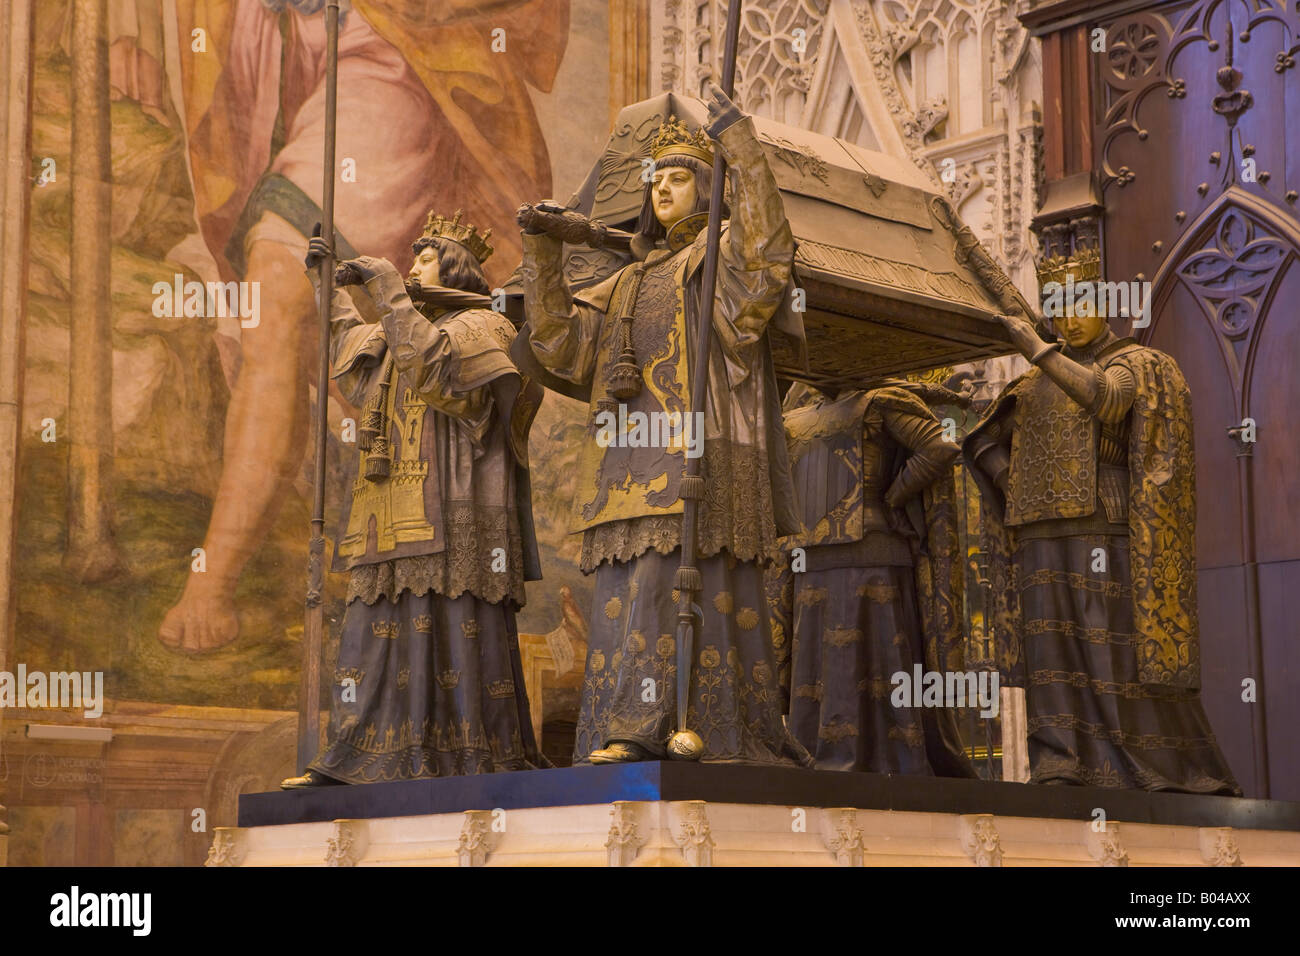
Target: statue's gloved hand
(1023, 334)
(550, 218)
(360, 270)
(722, 112)
(318, 249)
(545, 216)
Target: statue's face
(425, 268)
(1080, 330)
(673, 194)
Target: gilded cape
(831, 501)
(626, 497)
(458, 414)
(1162, 539)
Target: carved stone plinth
(1219, 846)
(844, 838)
(980, 839)
(227, 847)
(348, 844)
(675, 813)
(700, 833)
(1104, 845)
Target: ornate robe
(429, 681)
(627, 502)
(1089, 527)
(876, 597)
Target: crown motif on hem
(459, 232)
(674, 139)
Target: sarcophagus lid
(894, 282)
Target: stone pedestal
(667, 814)
(698, 833)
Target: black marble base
(722, 783)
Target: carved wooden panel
(1273, 399)
(1192, 97)
(1196, 134)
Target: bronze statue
(438, 536)
(875, 587)
(632, 339)
(1087, 475)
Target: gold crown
(674, 139)
(934, 376)
(459, 232)
(1084, 266)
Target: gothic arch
(1240, 238)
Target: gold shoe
(619, 751)
(308, 781)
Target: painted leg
(266, 436)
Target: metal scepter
(314, 627)
(685, 744)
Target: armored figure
(438, 535)
(631, 339)
(1087, 476)
(876, 588)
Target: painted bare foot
(201, 621)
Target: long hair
(457, 267)
(647, 225)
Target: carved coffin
(894, 282)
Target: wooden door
(1197, 152)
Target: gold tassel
(374, 429)
(371, 425)
(379, 464)
(624, 381)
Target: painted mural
(190, 591)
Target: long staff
(309, 702)
(685, 744)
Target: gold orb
(685, 745)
